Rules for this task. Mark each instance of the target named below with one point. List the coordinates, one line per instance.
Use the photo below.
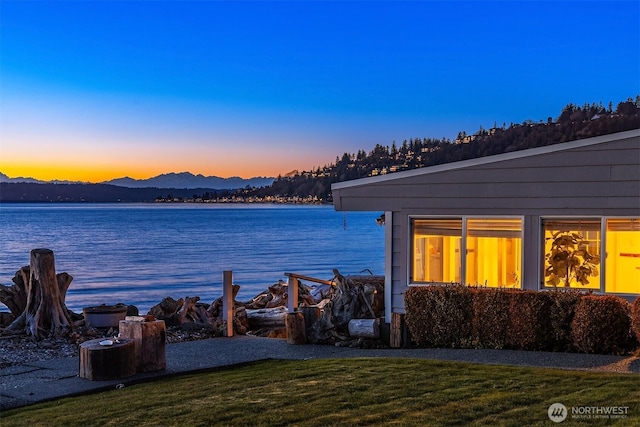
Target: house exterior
(565, 215)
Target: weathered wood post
(396, 334)
(292, 290)
(296, 331)
(227, 302)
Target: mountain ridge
(179, 180)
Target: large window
(572, 253)
(494, 252)
(493, 248)
(436, 250)
(623, 256)
(601, 254)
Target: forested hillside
(573, 123)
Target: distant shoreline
(216, 202)
(107, 193)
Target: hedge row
(466, 317)
(635, 318)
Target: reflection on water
(140, 253)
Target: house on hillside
(562, 215)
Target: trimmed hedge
(602, 324)
(490, 318)
(440, 316)
(560, 320)
(635, 318)
(529, 321)
(561, 313)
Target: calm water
(140, 253)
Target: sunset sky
(96, 90)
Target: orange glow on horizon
(60, 173)
(105, 160)
(101, 173)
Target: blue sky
(94, 90)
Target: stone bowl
(104, 316)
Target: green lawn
(347, 392)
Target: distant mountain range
(183, 180)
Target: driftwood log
(351, 298)
(44, 313)
(264, 313)
(167, 310)
(181, 312)
(326, 310)
(264, 318)
(311, 313)
(364, 328)
(191, 311)
(277, 295)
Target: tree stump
(296, 332)
(45, 313)
(107, 362)
(149, 338)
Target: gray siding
(531, 253)
(399, 262)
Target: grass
(346, 392)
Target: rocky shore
(38, 329)
(21, 349)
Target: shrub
(529, 322)
(602, 324)
(561, 313)
(559, 320)
(490, 318)
(635, 318)
(439, 316)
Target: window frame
(602, 266)
(463, 245)
(541, 249)
(410, 247)
(603, 271)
